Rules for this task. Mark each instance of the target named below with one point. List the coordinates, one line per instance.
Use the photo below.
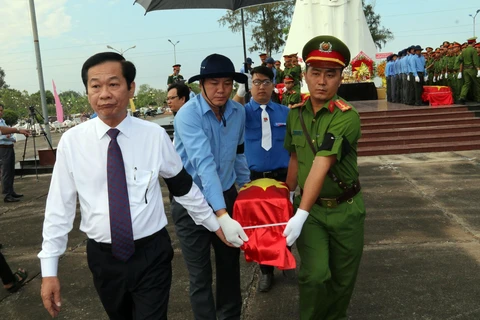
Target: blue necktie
(123, 246)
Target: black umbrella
(152, 5)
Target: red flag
(261, 203)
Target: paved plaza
(421, 258)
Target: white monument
(343, 19)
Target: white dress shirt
(81, 168)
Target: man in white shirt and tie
(113, 163)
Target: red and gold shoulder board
(342, 105)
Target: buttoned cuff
(49, 266)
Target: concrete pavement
(421, 258)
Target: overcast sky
(72, 30)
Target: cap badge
(325, 47)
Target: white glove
(233, 230)
(275, 90)
(441, 76)
(408, 78)
(425, 78)
(417, 79)
(478, 73)
(284, 90)
(292, 194)
(294, 226)
(241, 90)
(459, 75)
(434, 79)
(446, 75)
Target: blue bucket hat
(270, 60)
(249, 61)
(218, 66)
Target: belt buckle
(266, 173)
(329, 202)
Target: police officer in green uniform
(296, 70)
(291, 96)
(175, 76)
(280, 72)
(329, 220)
(470, 71)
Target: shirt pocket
(279, 131)
(299, 142)
(253, 131)
(140, 184)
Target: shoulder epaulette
(340, 104)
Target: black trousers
(419, 89)
(389, 89)
(5, 272)
(195, 242)
(398, 88)
(405, 88)
(139, 288)
(7, 167)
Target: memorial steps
(407, 129)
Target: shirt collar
(326, 105)
(205, 107)
(124, 127)
(255, 105)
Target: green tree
(380, 34)
(10, 117)
(269, 24)
(148, 96)
(2, 79)
(36, 100)
(195, 87)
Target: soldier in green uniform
(291, 96)
(296, 70)
(175, 76)
(470, 71)
(458, 83)
(450, 75)
(329, 221)
(280, 72)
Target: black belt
(334, 202)
(138, 243)
(6, 146)
(468, 67)
(274, 174)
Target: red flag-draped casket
(259, 205)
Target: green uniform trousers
(330, 247)
(471, 85)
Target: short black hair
(183, 91)
(128, 69)
(263, 70)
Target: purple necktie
(123, 246)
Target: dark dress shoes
(289, 273)
(17, 195)
(265, 283)
(10, 198)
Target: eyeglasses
(171, 98)
(258, 83)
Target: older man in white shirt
(113, 163)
